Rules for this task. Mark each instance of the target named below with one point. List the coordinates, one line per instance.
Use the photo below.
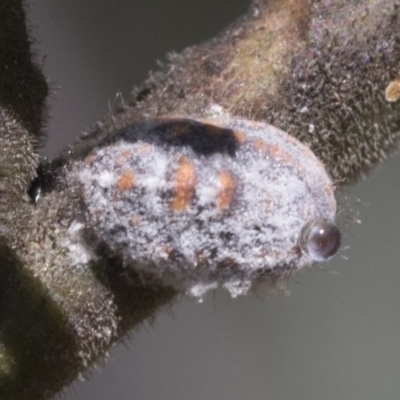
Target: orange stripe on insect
(126, 181)
(260, 144)
(123, 156)
(226, 190)
(274, 151)
(239, 136)
(185, 180)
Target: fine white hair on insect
(117, 105)
(199, 204)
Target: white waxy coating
(202, 204)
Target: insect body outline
(203, 203)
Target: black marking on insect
(202, 138)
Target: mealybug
(205, 203)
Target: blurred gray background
(337, 336)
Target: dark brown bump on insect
(185, 180)
(226, 190)
(167, 251)
(172, 254)
(201, 258)
(126, 181)
(228, 263)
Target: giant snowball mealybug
(204, 203)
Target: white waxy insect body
(200, 204)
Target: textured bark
(23, 91)
(315, 69)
